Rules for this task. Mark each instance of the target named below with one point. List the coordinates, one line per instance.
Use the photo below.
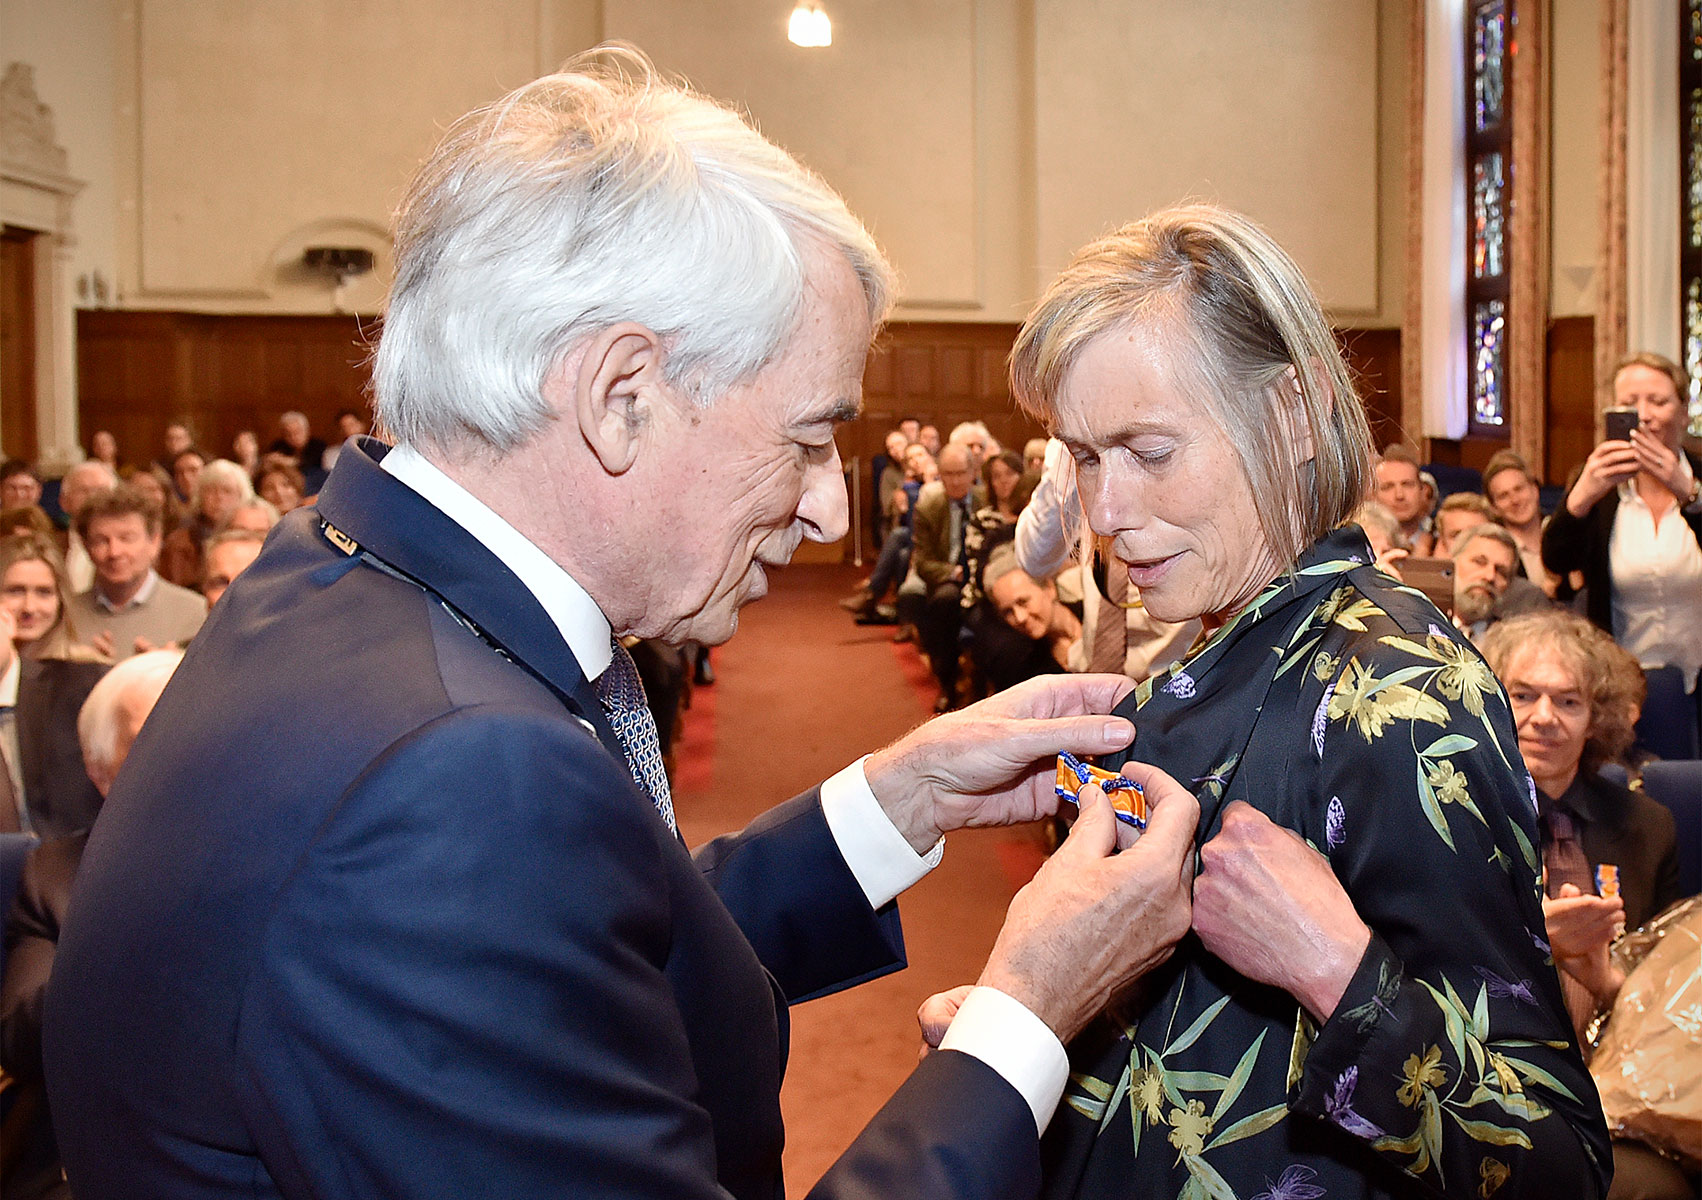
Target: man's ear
(615, 388)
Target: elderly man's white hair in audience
(115, 709)
(580, 201)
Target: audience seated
(973, 437)
(1402, 492)
(30, 519)
(80, 483)
(225, 556)
(1033, 456)
(254, 515)
(942, 517)
(176, 438)
(349, 424)
(245, 451)
(1002, 656)
(281, 482)
(893, 562)
(44, 678)
(1046, 612)
(1632, 523)
(1485, 558)
(130, 609)
(103, 448)
(221, 486)
(1460, 512)
(155, 486)
(106, 727)
(929, 436)
(185, 470)
(1511, 488)
(1388, 543)
(1573, 694)
(20, 487)
(297, 441)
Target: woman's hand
(1389, 561)
(1662, 462)
(1609, 465)
(1271, 907)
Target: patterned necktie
(1111, 627)
(622, 697)
(1563, 862)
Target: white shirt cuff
(1005, 1035)
(870, 843)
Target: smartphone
(1620, 422)
(1432, 576)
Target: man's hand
(1091, 922)
(1580, 930)
(1609, 465)
(1270, 906)
(995, 762)
(1389, 562)
(936, 1014)
(102, 643)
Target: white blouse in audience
(1657, 586)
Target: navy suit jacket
(376, 910)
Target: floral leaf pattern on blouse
(1344, 708)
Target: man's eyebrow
(842, 412)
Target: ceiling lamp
(809, 26)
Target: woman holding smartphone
(1632, 523)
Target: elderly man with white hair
(107, 725)
(410, 916)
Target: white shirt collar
(9, 681)
(143, 594)
(583, 626)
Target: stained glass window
(1489, 58)
(1490, 44)
(1489, 216)
(1690, 216)
(1489, 364)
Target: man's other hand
(1092, 921)
(995, 762)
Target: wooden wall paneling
(1571, 408)
(138, 371)
(1374, 359)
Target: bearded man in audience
(409, 915)
(80, 483)
(1484, 561)
(1512, 490)
(1402, 492)
(130, 608)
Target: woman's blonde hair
(33, 547)
(1607, 674)
(1248, 331)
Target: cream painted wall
(72, 44)
(982, 139)
(1271, 109)
(1577, 155)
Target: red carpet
(802, 691)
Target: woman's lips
(1148, 572)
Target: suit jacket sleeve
(428, 1014)
(815, 941)
(32, 936)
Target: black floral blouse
(1345, 707)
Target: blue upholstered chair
(1678, 785)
